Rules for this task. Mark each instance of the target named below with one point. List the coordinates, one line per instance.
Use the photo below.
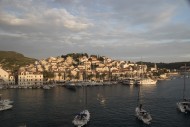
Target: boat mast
(140, 84)
(138, 100)
(86, 97)
(85, 89)
(184, 83)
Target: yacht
(5, 107)
(129, 81)
(143, 115)
(147, 81)
(184, 105)
(140, 113)
(82, 118)
(6, 101)
(46, 87)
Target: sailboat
(141, 113)
(184, 105)
(83, 117)
(5, 104)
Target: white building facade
(26, 78)
(6, 78)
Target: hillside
(175, 65)
(13, 60)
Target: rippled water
(58, 106)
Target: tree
(59, 76)
(101, 59)
(48, 74)
(103, 76)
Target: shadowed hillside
(13, 60)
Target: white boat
(129, 81)
(143, 115)
(140, 113)
(82, 118)
(46, 87)
(184, 105)
(6, 101)
(147, 81)
(5, 107)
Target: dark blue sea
(57, 107)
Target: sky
(131, 30)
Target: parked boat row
(135, 81)
(49, 86)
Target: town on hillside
(78, 68)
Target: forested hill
(175, 65)
(13, 60)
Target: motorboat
(82, 118)
(143, 115)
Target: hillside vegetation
(175, 65)
(13, 60)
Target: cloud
(119, 29)
(43, 16)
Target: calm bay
(57, 107)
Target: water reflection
(101, 99)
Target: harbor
(109, 105)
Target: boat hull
(147, 82)
(184, 106)
(143, 115)
(82, 118)
(5, 107)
